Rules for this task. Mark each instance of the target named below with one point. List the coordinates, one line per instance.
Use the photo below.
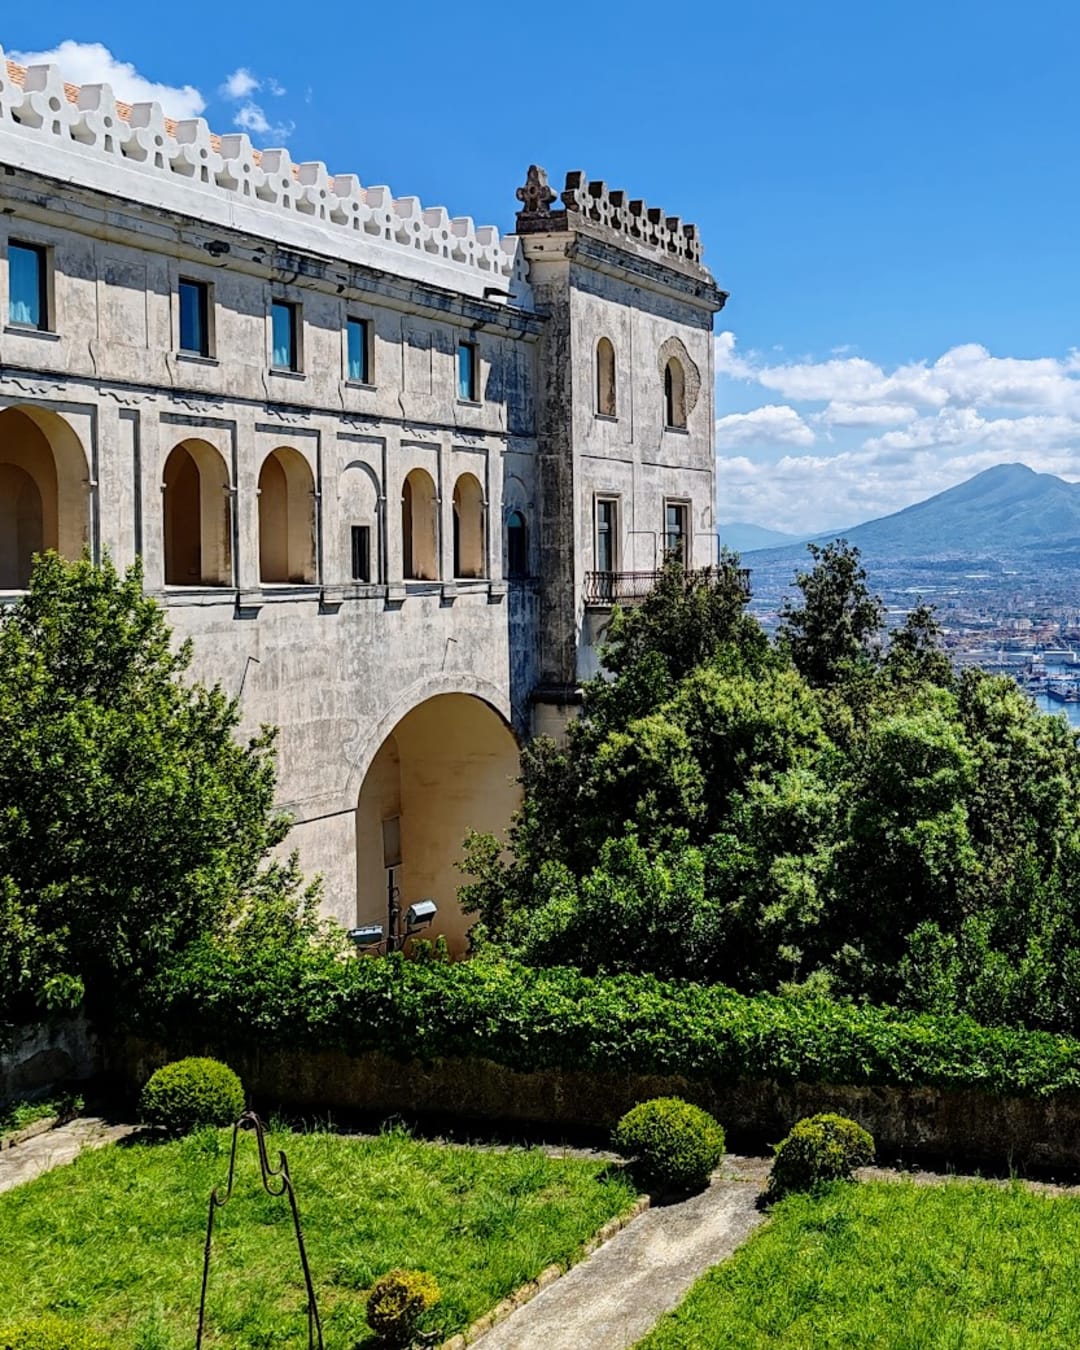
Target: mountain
(1009, 508)
(742, 536)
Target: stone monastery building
(387, 469)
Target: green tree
(832, 631)
(131, 819)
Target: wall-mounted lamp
(369, 935)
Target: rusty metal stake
(276, 1181)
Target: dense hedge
(557, 1018)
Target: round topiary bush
(820, 1148)
(191, 1092)
(672, 1143)
(397, 1302)
(50, 1333)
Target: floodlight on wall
(420, 914)
(368, 935)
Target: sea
(1048, 705)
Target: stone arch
(419, 527)
(468, 527)
(43, 491)
(606, 404)
(685, 380)
(195, 501)
(444, 765)
(286, 518)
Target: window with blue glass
(466, 371)
(359, 363)
(284, 335)
(28, 286)
(195, 318)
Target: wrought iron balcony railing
(629, 588)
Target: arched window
(605, 378)
(196, 507)
(43, 493)
(468, 527)
(517, 546)
(419, 528)
(286, 518)
(674, 395)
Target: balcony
(630, 588)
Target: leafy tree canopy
(835, 811)
(131, 818)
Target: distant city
(999, 559)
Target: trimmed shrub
(820, 1148)
(50, 1333)
(241, 997)
(397, 1302)
(671, 1142)
(191, 1092)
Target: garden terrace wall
(34, 1059)
(927, 1123)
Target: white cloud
(254, 121)
(239, 84)
(965, 375)
(772, 424)
(966, 427)
(867, 414)
(251, 116)
(93, 63)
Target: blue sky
(889, 190)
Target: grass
(115, 1241)
(19, 1114)
(894, 1265)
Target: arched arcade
(450, 765)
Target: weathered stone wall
(126, 204)
(926, 1123)
(42, 1056)
(331, 662)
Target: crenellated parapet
(593, 201)
(89, 138)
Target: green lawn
(115, 1240)
(898, 1266)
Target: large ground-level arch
(449, 765)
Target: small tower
(626, 460)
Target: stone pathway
(41, 1154)
(610, 1300)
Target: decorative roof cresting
(138, 139)
(593, 201)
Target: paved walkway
(613, 1298)
(29, 1159)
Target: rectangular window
(357, 336)
(195, 317)
(607, 523)
(284, 325)
(466, 371)
(361, 552)
(675, 533)
(28, 286)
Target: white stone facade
(386, 539)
